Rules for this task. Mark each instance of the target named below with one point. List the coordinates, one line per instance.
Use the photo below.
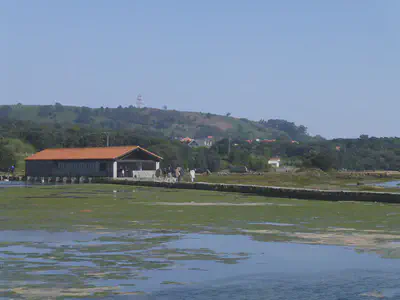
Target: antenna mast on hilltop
(139, 101)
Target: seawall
(268, 191)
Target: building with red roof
(124, 161)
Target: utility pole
(108, 138)
(229, 145)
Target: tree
(257, 163)
(213, 160)
(228, 114)
(5, 111)
(295, 132)
(46, 111)
(165, 107)
(7, 157)
(239, 157)
(240, 128)
(59, 107)
(201, 158)
(84, 116)
(321, 160)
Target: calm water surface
(390, 184)
(12, 184)
(107, 243)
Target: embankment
(268, 191)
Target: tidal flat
(99, 241)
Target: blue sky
(333, 66)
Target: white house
(274, 161)
(201, 142)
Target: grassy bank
(309, 179)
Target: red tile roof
(275, 159)
(86, 153)
(186, 140)
(268, 141)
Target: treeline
(41, 136)
(367, 153)
(363, 153)
(20, 138)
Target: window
(103, 166)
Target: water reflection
(196, 261)
(390, 184)
(4, 184)
(93, 241)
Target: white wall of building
(274, 163)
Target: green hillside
(169, 123)
(27, 129)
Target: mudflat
(80, 241)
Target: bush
(7, 158)
(238, 169)
(258, 163)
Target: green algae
(173, 282)
(130, 231)
(150, 210)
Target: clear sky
(333, 66)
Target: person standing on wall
(192, 175)
(178, 174)
(170, 171)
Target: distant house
(205, 142)
(268, 141)
(186, 140)
(125, 161)
(200, 142)
(275, 162)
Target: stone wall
(294, 193)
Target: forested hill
(26, 129)
(157, 122)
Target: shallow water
(13, 184)
(348, 284)
(389, 184)
(129, 243)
